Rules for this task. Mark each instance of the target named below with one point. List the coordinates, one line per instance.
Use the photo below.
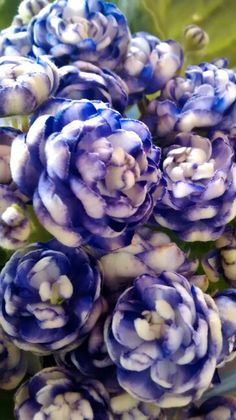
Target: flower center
(151, 326)
(65, 405)
(188, 162)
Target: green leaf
(168, 18)
(8, 8)
(227, 386)
(39, 234)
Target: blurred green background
(165, 19)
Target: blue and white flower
(222, 259)
(195, 38)
(91, 358)
(91, 30)
(200, 197)
(125, 407)
(200, 99)
(7, 135)
(12, 363)
(15, 225)
(86, 81)
(93, 174)
(29, 8)
(14, 41)
(216, 408)
(55, 393)
(49, 297)
(150, 252)
(165, 338)
(226, 304)
(25, 84)
(149, 64)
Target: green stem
(157, 22)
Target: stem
(157, 23)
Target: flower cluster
(56, 393)
(114, 164)
(165, 338)
(96, 173)
(85, 80)
(149, 64)
(25, 84)
(93, 31)
(49, 297)
(200, 195)
(200, 99)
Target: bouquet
(117, 219)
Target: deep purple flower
(200, 99)
(86, 81)
(49, 297)
(12, 363)
(55, 393)
(92, 30)
(165, 338)
(149, 64)
(93, 175)
(25, 84)
(200, 197)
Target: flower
(211, 265)
(56, 393)
(195, 38)
(14, 41)
(86, 81)
(226, 245)
(200, 197)
(226, 303)
(124, 407)
(7, 135)
(12, 363)
(222, 260)
(93, 175)
(29, 8)
(49, 297)
(15, 226)
(149, 64)
(25, 84)
(200, 99)
(93, 31)
(91, 357)
(216, 408)
(165, 338)
(150, 252)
